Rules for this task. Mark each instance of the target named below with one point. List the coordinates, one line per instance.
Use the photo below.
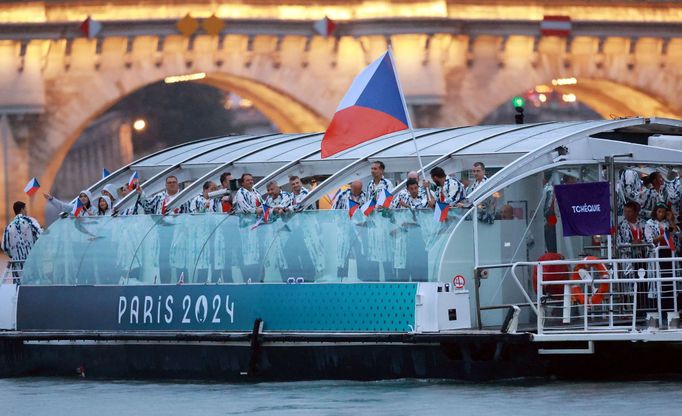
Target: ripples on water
(75, 397)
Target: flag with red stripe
(556, 26)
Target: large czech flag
(372, 107)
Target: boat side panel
(298, 307)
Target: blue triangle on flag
(105, 173)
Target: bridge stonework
(54, 86)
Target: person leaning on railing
(18, 239)
(630, 232)
(659, 232)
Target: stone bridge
(457, 60)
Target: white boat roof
(513, 148)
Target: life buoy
(598, 295)
(551, 272)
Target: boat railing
(606, 295)
(13, 272)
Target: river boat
(319, 294)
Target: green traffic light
(518, 102)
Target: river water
(76, 397)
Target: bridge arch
(66, 123)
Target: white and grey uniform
(108, 211)
(156, 205)
(473, 186)
(296, 200)
(246, 202)
(649, 198)
(486, 210)
(674, 190)
(409, 236)
(373, 188)
(421, 201)
(629, 186)
(284, 200)
(379, 247)
(342, 199)
(19, 237)
(451, 192)
(312, 234)
(347, 231)
(627, 233)
(69, 207)
(277, 240)
(652, 230)
(199, 228)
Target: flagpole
(407, 112)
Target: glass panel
(62, 252)
(319, 246)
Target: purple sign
(585, 208)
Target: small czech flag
(440, 212)
(105, 173)
(669, 240)
(78, 209)
(368, 207)
(134, 181)
(324, 27)
(90, 28)
(352, 207)
(384, 198)
(32, 187)
(264, 218)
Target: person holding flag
(168, 237)
(412, 197)
(349, 244)
(373, 106)
(82, 206)
(448, 190)
(19, 238)
(410, 257)
(658, 232)
(247, 202)
(379, 245)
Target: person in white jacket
(104, 205)
(18, 239)
(85, 197)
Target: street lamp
(139, 124)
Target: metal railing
(13, 272)
(581, 296)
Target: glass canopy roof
(276, 156)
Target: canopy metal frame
(128, 199)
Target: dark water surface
(75, 397)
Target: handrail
(622, 300)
